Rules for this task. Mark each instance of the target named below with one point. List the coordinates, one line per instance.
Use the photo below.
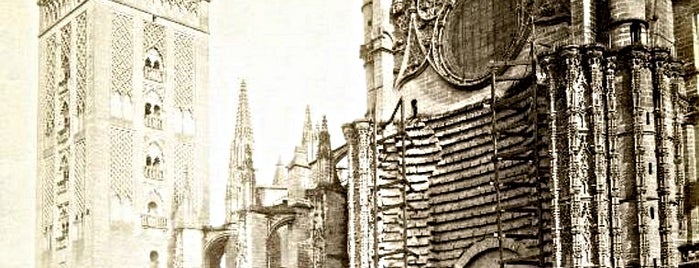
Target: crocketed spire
(241, 147)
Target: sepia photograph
(349, 133)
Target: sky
(292, 53)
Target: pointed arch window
(154, 162)
(153, 111)
(153, 68)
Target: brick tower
(123, 133)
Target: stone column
(598, 142)
(664, 137)
(359, 195)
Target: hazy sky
(291, 52)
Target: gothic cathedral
(510, 133)
(123, 140)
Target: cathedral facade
(525, 134)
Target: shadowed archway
(215, 249)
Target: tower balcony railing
(153, 173)
(61, 242)
(62, 136)
(62, 186)
(153, 221)
(154, 74)
(154, 121)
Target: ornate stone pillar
(576, 177)
(613, 161)
(638, 59)
(678, 144)
(359, 194)
(663, 107)
(549, 66)
(598, 132)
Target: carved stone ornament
(457, 37)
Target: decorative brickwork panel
(122, 54)
(121, 162)
(80, 168)
(184, 167)
(48, 102)
(154, 37)
(48, 173)
(185, 5)
(82, 58)
(184, 71)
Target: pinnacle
(279, 174)
(307, 137)
(324, 124)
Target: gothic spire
(241, 178)
(241, 147)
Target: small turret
(298, 175)
(628, 25)
(279, 174)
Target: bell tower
(123, 142)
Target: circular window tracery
(477, 32)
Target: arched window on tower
(65, 68)
(635, 32)
(154, 259)
(152, 208)
(153, 211)
(65, 175)
(154, 162)
(64, 123)
(153, 110)
(153, 66)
